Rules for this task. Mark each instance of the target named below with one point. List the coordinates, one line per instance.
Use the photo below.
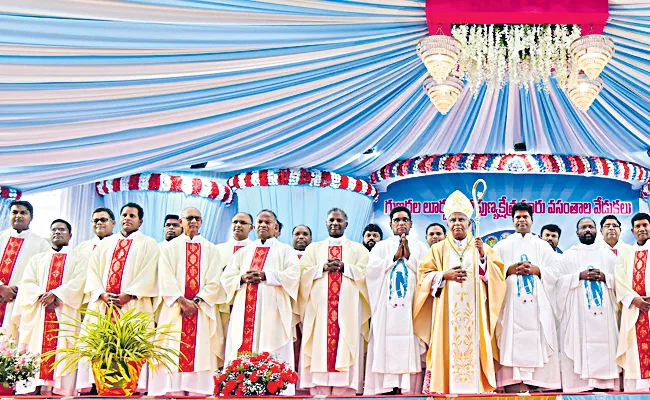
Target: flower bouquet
(252, 374)
(16, 363)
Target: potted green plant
(16, 364)
(117, 344)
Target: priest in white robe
(190, 294)
(334, 310)
(632, 291)
(263, 280)
(301, 238)
(17, 245)
(586, 308)
(394, 363)
(528, 343)
(610, 228)
(103, 223)
(51, 292)
(123, 271)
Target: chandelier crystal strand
(443, 95)
(440, 54)
(583, 91)
(592, 53)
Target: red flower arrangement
(252, 374)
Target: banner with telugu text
(556, 199)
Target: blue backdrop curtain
(216, 215)
(306, 205)
(77, 205)
(4, 213)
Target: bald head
(191, 220)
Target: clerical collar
(459, 243)
(64, 250)
(336, 241)
(196, 237)
(22, 234)
(269, 242)
(240, 242)
(131, 236)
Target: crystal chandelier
(443, 95)
(583, 91)
(440, 54)
(591, 53)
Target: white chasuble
(528, 342)
(63, 274)
(16, 249)
(190, 267)
(588, 323)
(394, 352)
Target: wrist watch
(196, 300)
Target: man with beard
(435, 232)
(333, 305)
(103, 221)
(122, 272)
(371, 235)
(173, 228)
(394, 351)
(586, 309)
(528, 342)
(551, 234)
(632, 288)
(242, 225)
(263, 280)
(610, 228)
(17, 245)
(301, 238)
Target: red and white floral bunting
(302, 177)
(9, 193)
(193, 186)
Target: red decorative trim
(642, 323)
(191, 186)
(51, 326)
(7, 264)
(334, 280)
(250, 306)
(515, 163)
(118, 261)
(190, 323)
(302, 177)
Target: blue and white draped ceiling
(93, 90)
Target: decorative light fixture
(591, 53)
(440, 54)
(583, 91)
(443, 95)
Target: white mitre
(458, 202)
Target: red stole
(642, 324)
(334, 280)
(121, 252)
(7, 264)
(54, 280)
(251, 300)
(192, 282)
(299, 256)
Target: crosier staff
(477, 196)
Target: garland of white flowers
(519, 54)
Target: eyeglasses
(398, 220)
(103, 220)
(244, 223)
(607, 226)
(192, 218)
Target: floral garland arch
(191, 186)
(9, 193)
(302, 177)
(515, 163)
